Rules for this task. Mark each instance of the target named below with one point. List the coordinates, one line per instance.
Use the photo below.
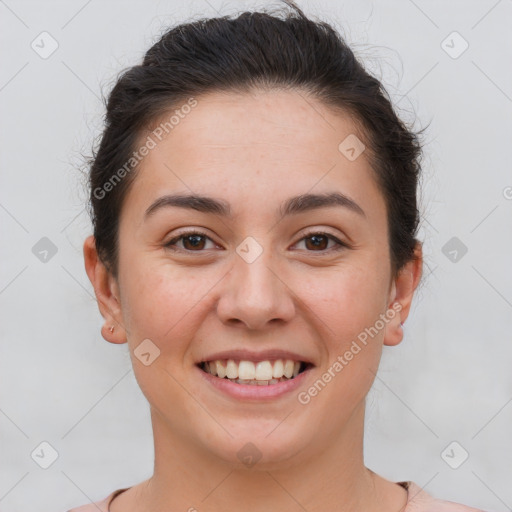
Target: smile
(255, 373)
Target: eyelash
(341, 245)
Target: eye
(191, 241)
(195, 241)
(320, 240)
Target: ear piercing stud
(111, 329)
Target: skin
(255, 151)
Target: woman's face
(262, 281)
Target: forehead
(265, 144)
(289, 123)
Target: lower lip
(254, 392)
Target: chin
(262, 447)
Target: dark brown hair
(254, 50)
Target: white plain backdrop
(449, 380)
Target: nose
(254, 294)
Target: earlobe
(106, 291)
(109, 333)
(394, 329)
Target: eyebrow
(292, 206)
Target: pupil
(317, 240)
(196, 240)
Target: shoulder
(421, 501)
(98, 506)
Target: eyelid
(192, 231)
(340, 244)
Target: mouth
(268, 372)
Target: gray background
(449, 380)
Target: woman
(254, 207)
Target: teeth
(278, 370)
(259, 382)
(221, 369)
(288, 368)
(247, 372)
(231, 369)
(263, 370)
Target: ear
(401, 294)
(106, 290)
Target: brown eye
(318, 242)
(193, 242)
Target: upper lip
(250, 355)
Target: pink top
(418, 500)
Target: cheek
(347, 303)
(346, 299)
(162, 301)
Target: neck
(332, 478)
